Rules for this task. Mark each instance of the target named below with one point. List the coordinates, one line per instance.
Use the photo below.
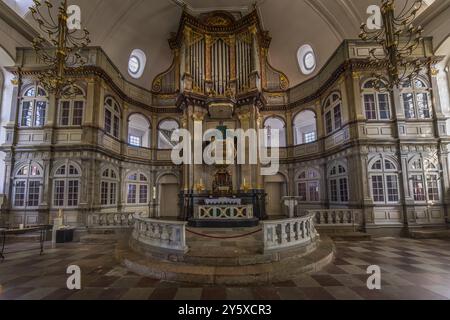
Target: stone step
(350, 236)
(101, 231)
(430, 234)
(256, 273)
(99, 239)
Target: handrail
(163, 234)
(289, 233)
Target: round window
(134, 65)
(309, 61)
(306, 59)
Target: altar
(224, 212)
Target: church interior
(351, 98)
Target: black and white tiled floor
(411, 269)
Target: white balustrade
(110, 220)
(288, 233)
(336, 217)
(232, 212)
(161, 233)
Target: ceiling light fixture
(399, 38)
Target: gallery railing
(288, 233)
(160, 233)
(233, 212)
(110, 220)
(336, 217)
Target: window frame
(337, 174)
(311, 176)
(34, 101)
(112, 181)
(79, 98)
(113, 127)
(368, 89)
(384, 172)
(413, 90)
(333, 104)
(139, 183)
(66, 178)
(425, 171)
(27, 180)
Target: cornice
(188, 20)
(89, 71)
(16, 22)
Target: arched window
(165, 131)
(108, 190)
(424, 177)
(333, 113)
(376, 104)
(66, 186)
(383, 174)
(338, 182)
(28, 182)
(308, 185)
(34, 107)
(112, 117)
(71, 110)
(416, 100)
(272, 125)
(138, 131)
(137, 188)
(305, 129)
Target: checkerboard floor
(411, 269)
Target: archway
(275, 188)
(305, 127)
(169, 189)
(138, 131)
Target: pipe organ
(221, 77)
(220, 55)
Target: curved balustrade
(110, 220)
(161, 233)
(232, 212)
(336, 217)
(282, 234)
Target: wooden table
(42, 235)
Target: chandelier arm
(412, 9)
(76, 38)
(404, 8)
(50, 15)
(40, 19)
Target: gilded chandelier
(60, 49)
(398, 38)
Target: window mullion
(71, 109)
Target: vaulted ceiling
(119, 26)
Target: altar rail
(218, 212)
(288, 233)
(160, 233)
(110, 220)
(336, 217)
